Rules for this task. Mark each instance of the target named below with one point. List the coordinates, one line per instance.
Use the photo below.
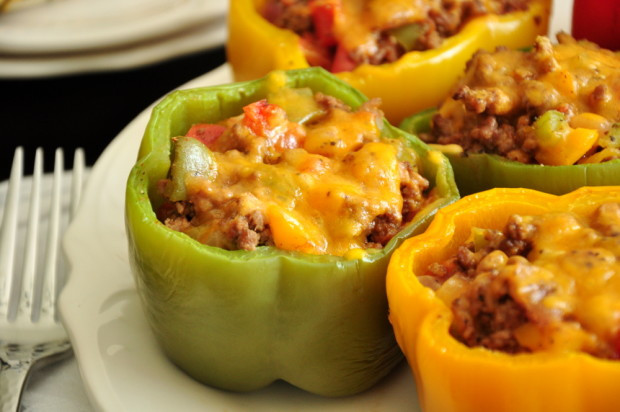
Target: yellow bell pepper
(568, 150)
(418, 80)
(559, 143)
(452, 377)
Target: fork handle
(13, 376)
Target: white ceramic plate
(60, 26)
(122, 366)
(129, 56)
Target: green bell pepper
(240, 320)
(476, 172)
(196, 160)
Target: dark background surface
(85, 110)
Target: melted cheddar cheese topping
(564, 294)
(358, 21)
(572, 281)
(576, 75)
(558, 104)
(327, 186)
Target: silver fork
(30, 331)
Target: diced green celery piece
(551, 127)
(299, 104)
(478, 237)
(408, 35)
(191, 158)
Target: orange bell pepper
(452, 377)
(418, 80)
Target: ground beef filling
(506, 295)
(441, 20)
(250, 231)
(239, 221)
(510, 137)
(486, 314)
(495, 105)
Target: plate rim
(188, 42)
(51, 31)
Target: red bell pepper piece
(323, 13)
(342, 61)
(206, 133)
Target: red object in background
(597, 21)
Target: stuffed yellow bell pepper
(540, 348)
(415, 81)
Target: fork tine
(77, 178)
(9, 232)
(30, 245)
(33, 337)
(50, 281)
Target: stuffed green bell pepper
(243, 285)
(545, 118)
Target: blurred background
(86, 69)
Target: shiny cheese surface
(569, 283)
(551, 75)
(332, 178)
(358, 21)
(578, 79)
(314, 204)
(574, 260)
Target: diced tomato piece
(270, 121)
(206, 133)
(323, 13)
(342, 61)
(262, 117)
